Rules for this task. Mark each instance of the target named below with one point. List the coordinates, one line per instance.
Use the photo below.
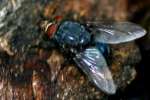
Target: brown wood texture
(39, 72)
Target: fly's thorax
(72, 33)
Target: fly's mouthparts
(47, 26)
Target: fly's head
(51, 27)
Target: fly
(91, 59)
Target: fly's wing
(116, 32)
(93, 64)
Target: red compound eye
(58, 18)
(51, 29)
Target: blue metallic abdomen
(72, 33)
(103, 48)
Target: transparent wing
(115, 32)
(93, 64)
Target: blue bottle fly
(94, 44)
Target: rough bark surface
(32, 69)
